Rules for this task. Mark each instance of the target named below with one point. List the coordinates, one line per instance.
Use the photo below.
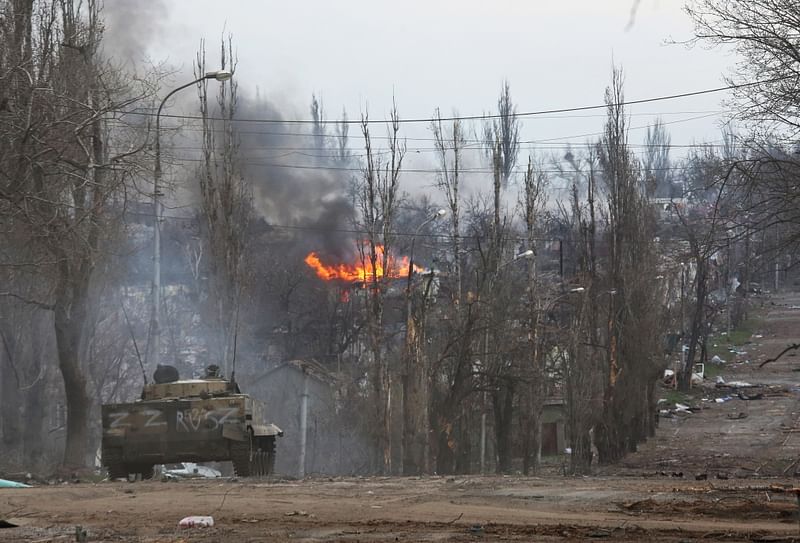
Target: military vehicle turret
(195, 420)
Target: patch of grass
(675, 396)
(721, 344)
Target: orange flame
(361, 271)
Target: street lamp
(524, 254)
(219, 75)
(438, 214)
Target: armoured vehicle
(196, 420)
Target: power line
(529, 144)
(483, 171)
(398, 233)
(327, 122)
(473, 117)
(545, 145)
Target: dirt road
(720, 473)
(430, 509)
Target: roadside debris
(738, 384)
(12, 484)
(190, 470)
(197, 521)
(743, 396)
(296, 514)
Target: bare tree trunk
(68, 328)
(534, 200)
(503, 405)
(378, 201)
(10, 414)
(697, 323)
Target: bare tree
(449, 146)
(630, 292)
(704, 231)
(533, 202)
(501, 136)
(577, 315)
(63, 170)
(656, 164)
(378, 201)
(318, 126)
(226, 207)
(765, 33)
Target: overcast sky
(452, 54)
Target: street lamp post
(219, 75)
(437, 215)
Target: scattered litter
(758, 336)
(189, 470)
(743, 396)
(739, 384)
(476, 529)
(724, 399)
(296, 514)
(12, 484)
(681, 407)
(720, 380)
(197, 521)
(717, 360)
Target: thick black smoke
(299, 185)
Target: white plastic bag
(196, 521)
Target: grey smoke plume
(131, 27)
(310, 201)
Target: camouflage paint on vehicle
(198, 420)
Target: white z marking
(117, 418)
(154, 414)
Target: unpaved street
(430, 509)
(721, 473)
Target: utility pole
(301, 471)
